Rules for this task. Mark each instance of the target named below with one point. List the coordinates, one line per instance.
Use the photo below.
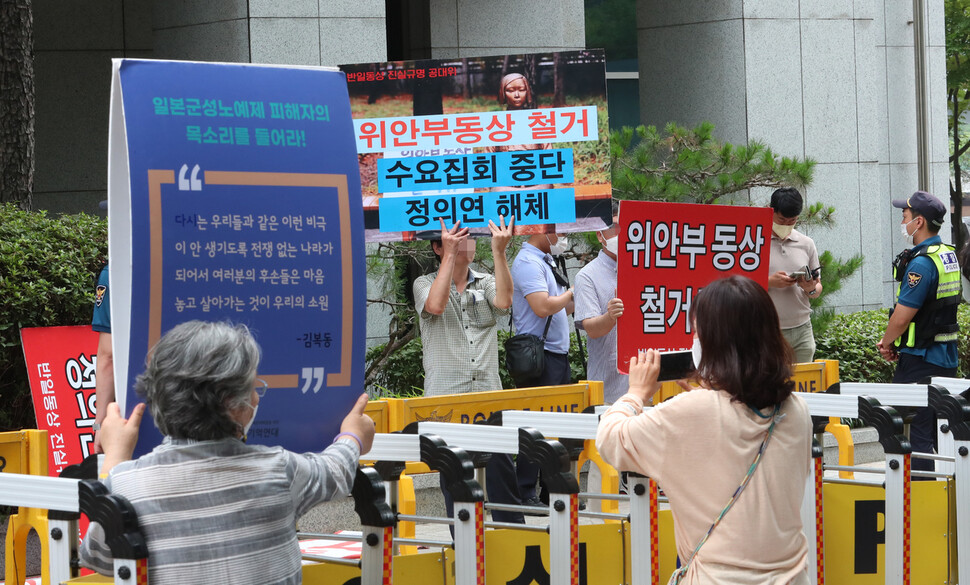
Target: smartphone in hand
(675, 365)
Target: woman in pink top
(700, 445)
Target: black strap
(544, 331)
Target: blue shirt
(530, 274)
(101, 319)
(919, 286)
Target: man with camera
(794, 274)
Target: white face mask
(782, 231)
(695, 353)
(559, 247)
(249, 425)
(906, 235)
(611, 244)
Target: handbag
(679, 574)
(525, 356)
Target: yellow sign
(814, 376)
(472, 408)
(855, 524)
(380, 411)
(515, 556)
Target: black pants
(555, 373)
(922, 429)
(500, 482)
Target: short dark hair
(787, 201)
(930, 224)
(743, 350)
(195, 375)
(432, 243)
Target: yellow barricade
(25, 452)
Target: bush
(851, 338)
(48, 268)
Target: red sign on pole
(667, 252)
(61, 368)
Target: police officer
(922, 330)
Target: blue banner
(528, 206)
(244, 197)
(497, 169)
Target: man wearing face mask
(540, 297)
(597, 309)
(922, 330)
(791, 292)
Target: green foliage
(685, 165)
(957, 31)
(851, 338)
(48, 268)
(690, 166)
(401, 374)
(834, 272)
(612, 25)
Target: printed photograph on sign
(668, 252)
(473, 138)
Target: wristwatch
(96, 427)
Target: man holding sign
(597, 309)
(459, 309)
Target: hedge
(851, 338)
(48, 267)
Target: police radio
(901, 262)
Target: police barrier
(897, 485)
(54, 505)
(953, 432)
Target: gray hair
(195, 375)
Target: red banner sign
(667, 252)
(61, 367)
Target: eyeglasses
(260, 387)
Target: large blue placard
(242, 188)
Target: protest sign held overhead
(667, 253)
(471, 139)
(234, 195)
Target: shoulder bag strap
(679, 574)
(546, 330)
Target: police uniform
(929, 282)
(101, 319)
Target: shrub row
(851, 338)
(48, 267)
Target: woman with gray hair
(212, 508)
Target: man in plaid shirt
(459, 309)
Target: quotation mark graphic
(309, 375)
(195, 184)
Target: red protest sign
(667, 252)
(61, 368)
